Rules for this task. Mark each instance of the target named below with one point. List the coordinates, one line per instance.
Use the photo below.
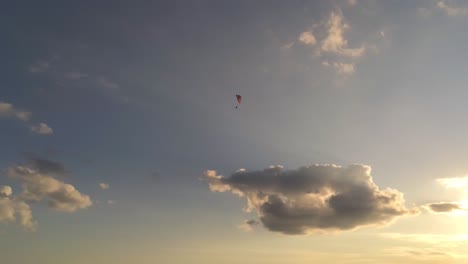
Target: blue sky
(140, 95)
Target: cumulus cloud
(38, 186)
(42, 128)
(307, 38)
(444, 207)
(335, 41)
(7, 110)
(452, 10)
(5, 191)
(103, 186)
(13, 209)
(311, 198)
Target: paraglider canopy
(239, 99)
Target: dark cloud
(318, 197)
(49, 167)
(444, 207)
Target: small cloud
(111, 202)
(106, 83)
(42, 128)
(75, 75)
(248, 225)
(424, 12)
(344, 69)
(40, 66)
(307, 38)
(313, 198)
(451, 10)
(288, 46)
(5, 191)
(103, 186)
(444, 207)
(7, 110)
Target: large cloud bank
(313, 198)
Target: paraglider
(239, 99)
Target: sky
(121, 142)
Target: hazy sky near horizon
(121, 142)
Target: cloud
(103, 186)
(307, 38)
(42, 128)
(455, 182)
(108, 83)
(444, 207)
(352, 2)
(335, 41)
(75, 75)
(38, 186)
(40, 66)
(313, 198)
(344, 69)
(248, 225)
(451, 10)
(49, 167)
(7, 110)
(5, 191)
(12, 208)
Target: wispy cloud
(331, 44)
(248, 225)
(76, 75)
(344, 69)
(335, 41)
(452, 10)
(7, 110)
(312, 198)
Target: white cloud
(104, 186)
(42, 128)
(455, 182)
(307, 38)
(335, 41)
(318, 197)
(451, 10)
(38, 186)
(7, 110)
